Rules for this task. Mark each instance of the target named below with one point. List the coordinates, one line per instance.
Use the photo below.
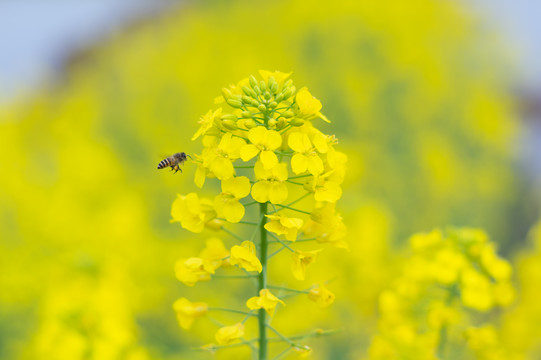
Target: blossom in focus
(283, 225)
(270, 185)
(266, 300)
(227, 204)
(187, 311)
(263, 142)
(229, 334)
(305, 157)
(309, 106)
(244, 256)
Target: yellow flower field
(349, 191)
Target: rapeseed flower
(244, 256)
(283, 225)
(229, 334)
(266, 300)
(227, 203)
(187, 311)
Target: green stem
(288, 289)
(262, 281)
(232, 234)
(290, 208)
(231, 311)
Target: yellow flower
(476, 291)
(281, 225)
(192, 213)
(263, 142)
(206, 122)
(187, 311)
(327, 226)
(324, 188)
(270, 186)
(424, 241)
(190, 271)
(301, 260)
(214, 252)
(321, 295)
(497, 267)
(227, 203)
(244, 256)
(266, 300)
(229, 334)
(219, 159)
(305, 155)
(309, 106)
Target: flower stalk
(262, 321)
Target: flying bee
(174, 161)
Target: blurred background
(436, 103)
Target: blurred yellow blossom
(266, 300)
(321, 295)
(301, 260)
(190, 271)
(187, 311)
(229, 334)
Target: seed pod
(250, 123)
(234, 103)
(253, 81)
(229, 124)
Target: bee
(174, 161)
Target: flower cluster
(261, 144)
(450, 282)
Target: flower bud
(257, 90)
(273, 104)
(287, 93)
(248, 91)
(288, 114)
(288, 83)
(234, 103)
(272, 122)
(253, 82)
(246, 99)
(262, 108)
(229, 117)
(262, 86)
(273, 85)
(267, 95)
(255, 103)
(279, 97)
(280, 124)
(296, 122)
(229, 124)
(293, 89)
(250, 123)
(246, 114)
(226, 93)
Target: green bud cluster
(262, 102)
